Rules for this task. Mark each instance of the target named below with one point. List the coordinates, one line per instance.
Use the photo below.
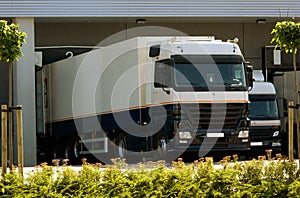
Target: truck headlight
(276, 133)
(243, 134)
(185, 135)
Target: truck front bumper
(224, 141)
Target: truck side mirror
(154, 51)
(249, 71)
(285, 107)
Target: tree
(11, 40)
(287, 37)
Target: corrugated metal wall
(109, 8)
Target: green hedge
(255, 178)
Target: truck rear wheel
(121, 146)
(72, 152)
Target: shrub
(255, 178)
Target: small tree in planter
(287, 37)
(11, 40)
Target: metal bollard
(291, 129)
(4, 138)
(20, 138)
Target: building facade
(89, 23)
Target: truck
(266, 132)
(145, 97)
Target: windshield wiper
(193, 84)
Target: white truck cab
(265, 120)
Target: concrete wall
(24, 89)
(252, 36)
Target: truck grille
(215, 116)
(260, 134)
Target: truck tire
(72, 153)
(162, 147)
(121, 146)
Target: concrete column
(24, 89)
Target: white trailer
(284, 83)
(149, 95)
(265, 127)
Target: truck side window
(162, 72)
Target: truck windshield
(263, 109)
(198, 73)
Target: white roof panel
(262, 88)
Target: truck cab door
(162, 81)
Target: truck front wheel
(162, 146)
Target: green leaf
(11, 40)
(287, 36)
